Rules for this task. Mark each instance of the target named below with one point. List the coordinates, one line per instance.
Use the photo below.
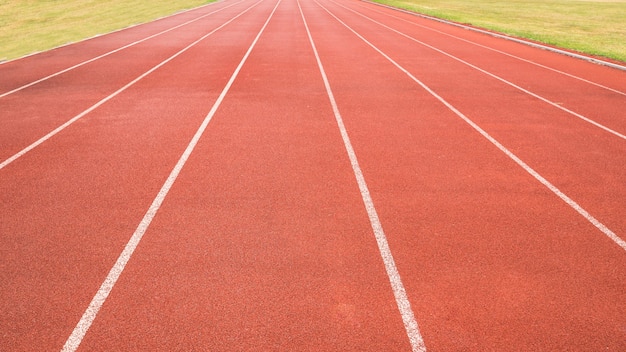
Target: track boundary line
(495, 50)
(114, 94)
(504, 36)
(115, 51)
(402, 300)
(575, 206)
(537, 96)
(79, 332)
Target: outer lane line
(74, 340)
(493, 49)
(112, 95)
(402, 300)
(113, 51)
(600, 226)
(584, 118)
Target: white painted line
(620, 242)
(493, 49)
(513, 39)
(556, 105)
(112, 52)
(402, 300)
(73, 342)
(112, 95)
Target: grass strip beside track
(595, 27)
(28, 26)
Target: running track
(321, 175)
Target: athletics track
(312, 175)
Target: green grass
(27, 26)
(596, 27)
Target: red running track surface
(324, 175)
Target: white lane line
(402, 300)
(113, 51)
(493, 49)
(600, 226)
(112, 95)
(507, 37)
(73, 342)
(556, 105)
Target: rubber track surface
(496, 172)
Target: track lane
(75, 339)
(32, 116)
(68, 208)
(258, 246)
(490, 258)
(404, 306)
